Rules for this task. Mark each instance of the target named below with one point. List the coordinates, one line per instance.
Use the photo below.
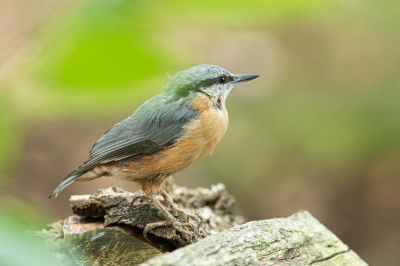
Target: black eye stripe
(222, 79)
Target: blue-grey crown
(195, 78)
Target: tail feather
(65, 183)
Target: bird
(165, 135)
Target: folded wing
(155, 125)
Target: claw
(152, 226)
(195, 218)
(182, 213)
(170, 219)
(186, 216)
(177, 226)
(170, 203)
(188, 225)
(141, 197)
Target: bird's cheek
(224, 95)
(228, 90)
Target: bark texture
(105, 230)
(297, 240)
(213, 206)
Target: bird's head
(214, 81)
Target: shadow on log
(106, 231)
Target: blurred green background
(319, 130)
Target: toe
(194, 218)
(145, 234)
(179, 227)
(188, 225)
(141, 197)
(183, 215)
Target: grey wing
(154, 126)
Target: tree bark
(107, 231)
(297, 240)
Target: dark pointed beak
(243, 78)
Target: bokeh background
(318, 130)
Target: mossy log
(107, 231)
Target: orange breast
(200, 137)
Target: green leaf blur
(318, 130)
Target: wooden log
(297, 240)
(213, 206)
(107, 231)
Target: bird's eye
(222, 79)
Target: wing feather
(154, 126)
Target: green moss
(108, 246)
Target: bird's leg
(170, 203)
(170, 221)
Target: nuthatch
(163, 136)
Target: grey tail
(65, 183)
